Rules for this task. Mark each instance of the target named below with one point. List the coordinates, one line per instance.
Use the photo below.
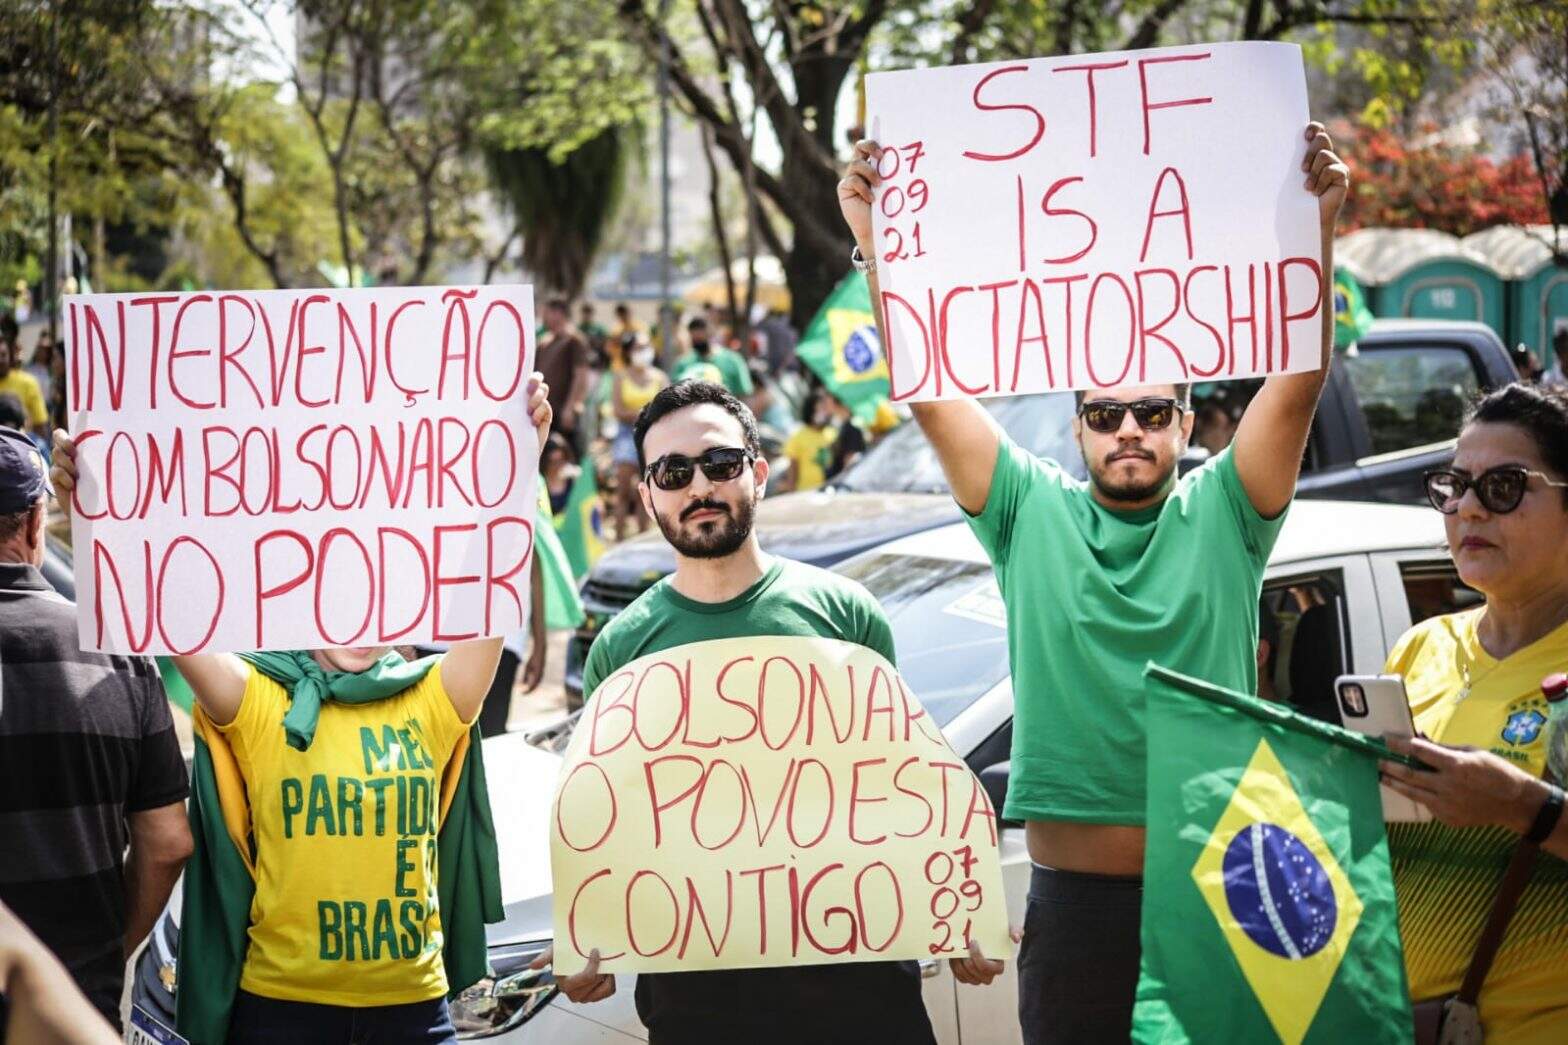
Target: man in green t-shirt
(703, 473)
(712, 363)
(1099, 578)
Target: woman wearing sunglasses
(1475, 686)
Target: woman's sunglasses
(1498, 489)
(720, 465)
(1105, 415)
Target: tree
(793, 59)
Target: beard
(711, 539)
(1130, 491)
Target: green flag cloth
(1268, 904)
(580, 524)
(842, 348)
(309, 685)
(174, 684)
(1352, 318)
(563, 609)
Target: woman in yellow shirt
(635, 386)
(1475, 685)
(343, 795)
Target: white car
(1344, 582)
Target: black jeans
(1078, 964)
(263, 1021)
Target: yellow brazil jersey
(810, 451)
(345, 911)
(1445, 877)
(25, 387)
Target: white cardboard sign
(1096, 220)
(298, 469)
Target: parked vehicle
(1390, 411)
(1345, 580)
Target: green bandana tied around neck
(309, 684)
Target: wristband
(858, 260)
(1546, 819)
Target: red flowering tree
(1435, 186)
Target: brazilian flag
(581, 523)
(174, 684)
(1268, 905)
(563, 609)
(1352, 318)
(842, 348)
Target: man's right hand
(856, 193)
(590, 985)
(62, 471)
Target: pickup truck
(1391, 410)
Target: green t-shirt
(723, 366)
(1091, 595)
(791, 598)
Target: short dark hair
(558, 303)
(693, 393)
(13, 523)
(1183, 396)
(1541, 412)
(12, 415)
(697, 323)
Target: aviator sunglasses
(1498, 489)
(1105, 415)
(720, 465)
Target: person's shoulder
(1441, 635)
(813, 582)
(617, 641)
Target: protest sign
(768, 801)
(301, 469)
(1095, 220)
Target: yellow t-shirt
(345, 911)
(1445, 877)
(810, 451)
(25, 387)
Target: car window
(1304, 619)
(1412, 395)
(905, 463)
(949, 628)
(1433, 588)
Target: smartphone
(1375, 705)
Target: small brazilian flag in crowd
(1268, 907)
(581, 523)
(842, 348)
(563, 609)
(1352, 318)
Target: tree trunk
(814, 269)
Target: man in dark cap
(89, 763)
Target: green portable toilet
(1425, 274)
(1537, 288)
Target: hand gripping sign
(1095, 220)
(296, 469)
(768, 801)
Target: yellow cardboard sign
(768, 801)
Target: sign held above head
(1095, 220)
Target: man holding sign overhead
(1124, 224)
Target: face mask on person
(642, 356)
(700, 345)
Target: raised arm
(1272, 435)
(964, 436)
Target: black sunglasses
(1498, 489)
(720, 465)
(1105, 415)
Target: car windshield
(905, 463)
(949, 628)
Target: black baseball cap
(24, 478)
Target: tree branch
(969, 27)
(1149, 30)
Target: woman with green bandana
(345, 861)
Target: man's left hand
(539, 406)
(1465, 787)
(1328, 178)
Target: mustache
(1138, 452)
(698, 506)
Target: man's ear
(759, 472)
(647, 497)
(1188, 421)
(35, 523)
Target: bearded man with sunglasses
(703, 473)
(1099, 578)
